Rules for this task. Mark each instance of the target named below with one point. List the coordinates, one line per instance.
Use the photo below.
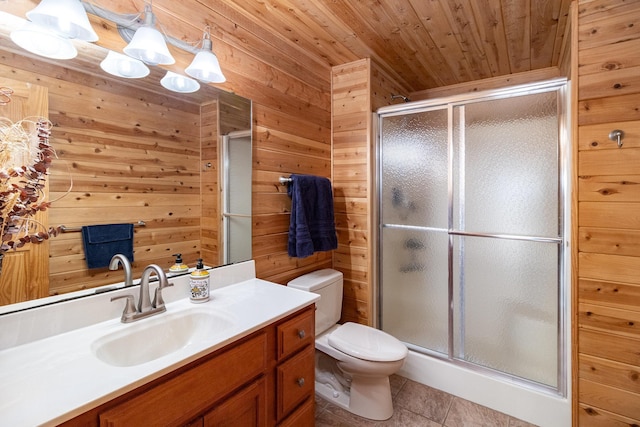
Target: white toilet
(353, 361)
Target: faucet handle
(157, 297)
(129, 308)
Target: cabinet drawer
(295, 379)
(183, 397)
(296, 333)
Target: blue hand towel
(312, 227)
(101, 242)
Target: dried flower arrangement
(21, 185)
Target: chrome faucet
(126, 266)
(145, 307)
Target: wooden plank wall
(114, 165)
(283, 143)
(608, 287)
(358, 89)
(351, 110)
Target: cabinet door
(304, 416)
(244, 409)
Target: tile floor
(419, 405)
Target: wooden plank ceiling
(423, 44)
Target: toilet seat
(366, 343)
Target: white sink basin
(158, 336)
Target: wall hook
(617, 135)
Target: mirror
(128, 151)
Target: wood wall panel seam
(608, 290)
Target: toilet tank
(328, 284)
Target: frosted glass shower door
(507, 235)
(471, 233)
(414, 222)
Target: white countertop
(51, 380)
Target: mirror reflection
(236, 196)
(128, 152)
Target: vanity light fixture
(205, 66)
(53, 23)
(148, 44)
(178, 83)
(66, 18)
(124, 66)
(39, 40)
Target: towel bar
(66, 229)
(285, 180)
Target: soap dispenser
(178, 266)
(199, 283)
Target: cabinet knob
(301, 333)
(300, 382)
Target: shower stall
(473, 213)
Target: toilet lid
(367, 343)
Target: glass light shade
(177, 83)
(206, 68)
(124, 66)
(64, 17)
(149, 46)
(40, 41)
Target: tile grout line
(446, 415)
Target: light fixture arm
(206, 44)
(149, 17)
(206, 38)
(133, 22)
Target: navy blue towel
(101, 242)
(312, 227)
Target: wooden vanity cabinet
(265, 379)
(295, 376)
